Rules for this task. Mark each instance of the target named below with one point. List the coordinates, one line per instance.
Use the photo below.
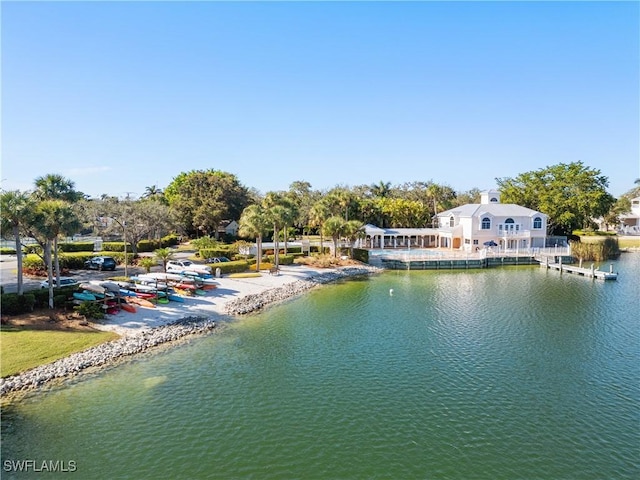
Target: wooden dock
(590, 272)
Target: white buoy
(391, 291)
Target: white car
(64, 282)
(182, 265)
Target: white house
(630, 222)
(475, 225)
(469, 227)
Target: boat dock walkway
(590, 272)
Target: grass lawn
(629, 243)
(22, 348)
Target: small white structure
(630, 222)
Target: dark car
(101, 263)
(217, 260)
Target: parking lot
(9, 279)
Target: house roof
(495, 209)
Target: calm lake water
(504, 373)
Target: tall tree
(317, 216)
(572, 195)
(56, 187)
(15, 208)
(253, 224)
(352, 231)
(334, 228)
(203, 198)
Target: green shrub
(213, 252)
(115, 247)
(170, 240)
(76, 247)
(148, 245)
(90, 310)
(282, 259)
(32, 248)
(14, 304)
(7, 251)
(361, 255)
(236, 266)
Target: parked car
(177, 266)
(101, 263)
(217, 260)
(64, 282)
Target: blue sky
(118, 96)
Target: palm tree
(48, 222)
(382, 189)
(317, 215)
(353, 230)
(254, 223)
(15, 208)
(56, 187)
(164, 255)
(334, 227)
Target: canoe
(127, 293)
(208, 287)
(163, 300)
(200, 292)
(141, 302)
(175, 298)
(129, 308)
(145, 295)
(92, 287)
(84, 296)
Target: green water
(510, 373)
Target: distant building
(470, 227)
(630, 222)
(228, 227)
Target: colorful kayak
(141, 302)
(128, 308)
(84, 296)
(175, 298)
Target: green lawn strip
(22, 349)
(629, 243)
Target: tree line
(195, 204)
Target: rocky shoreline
(110, 352)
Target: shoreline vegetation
(140, 341)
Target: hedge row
(14, 304)
(74, 261)
(7, 251)
(236, 266)
(76, 247)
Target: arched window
(494, 200)
(537, 223)
(509, 220)
(452, 221)
(486, 223)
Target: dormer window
(486, 223)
